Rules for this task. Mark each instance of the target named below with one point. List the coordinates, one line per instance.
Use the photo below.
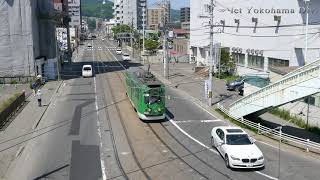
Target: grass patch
(7, 103)
(14, 82)
(227, 77)
(284, 114)
(236, 122)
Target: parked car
(234, 85)
(236, 147)
(119, 51)
(87, 71)
(125, 57)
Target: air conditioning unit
(257, 52)
(252, 51)
(233, 49)
(248, 51)
(240, 50)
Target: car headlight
(260, 158)
(235, 158)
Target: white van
(87, 71)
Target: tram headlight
(159, 109)
(149, 110)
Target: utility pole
(131, 43)
(165, 53)
(306, 36)
(211, 54)
(143, 28)
(308, 109)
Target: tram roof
(143, 76)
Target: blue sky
(175, 4)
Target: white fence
(277, 133)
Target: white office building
(259, 34)
(130, 12)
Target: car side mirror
(252, 140)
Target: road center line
(103, 168)
(205, 146)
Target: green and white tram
(146, 93)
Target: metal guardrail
(285, 82)
(303, 68)
(276, 133)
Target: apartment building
(258, 35)
(130, 12)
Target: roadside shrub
(14, 82)
(7, 103)
(284, 114)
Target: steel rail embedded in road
(115, 149)
(125, 130)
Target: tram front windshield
(153, 96)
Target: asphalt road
(188, 116)
(92, 132)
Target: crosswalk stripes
(111, 48)
(101, 48)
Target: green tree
(154, 36)
(98, 10)
(121, 29)
(151, 45)
(227, 63)
(92, 23)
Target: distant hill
(95, 8)
(175, 15)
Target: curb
(43, 113)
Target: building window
(256, 61)
(273, 62)
(202, 53)
(238, 58)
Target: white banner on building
(74, 12)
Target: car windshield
(238, 139)
(87, 68)
(125, 55)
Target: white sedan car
(125, 57)
(236, 147)
(87, 71)
(118, 51)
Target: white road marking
(189, 136)
(198, 121)
(268, 144)
(265, 175)
(203, 145)
(125, 153)
(197, 141)
(103, 168)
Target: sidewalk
(23, 123)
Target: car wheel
(226, 159)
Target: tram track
(115, 149)
(107, 80)
(190, 153)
